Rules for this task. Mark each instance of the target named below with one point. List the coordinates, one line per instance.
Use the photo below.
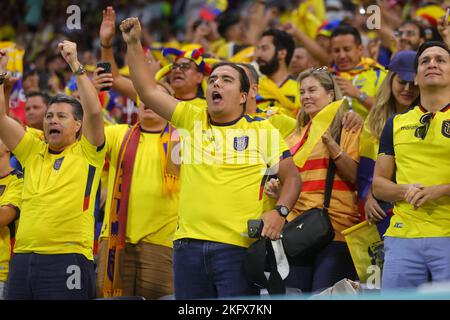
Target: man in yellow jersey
(223, 170)
(152, 207)
(277, 88)
(11, 184)
(358, 77)
(413, 171)
(185, 78)
(53, 254)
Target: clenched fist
(69, 53)
(131, 30)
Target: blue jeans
(322, 270)
(408, 263)
(206, 269)
(50, 276)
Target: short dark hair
(424, 46)
(416, 23)
(77, 109)
(345, 29)
(254, 77)
(45, 97)
(225, 21)
(282, 40)
(243, 79)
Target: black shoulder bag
(311, 231)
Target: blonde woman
(396, 94)
(333, 263)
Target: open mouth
(178, 77)
(216, 97)
(54, 132)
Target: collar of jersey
(447, 107)
(226, 124)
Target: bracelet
(79, 71)
(106, 47)
(338, 155)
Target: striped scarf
(112, 285)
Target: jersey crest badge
(58, 163)
(446, 128)
(240, 143)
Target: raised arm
(142, 75)
(107, 32)
(93, 128)
(11, 132)
(444, 28)
(309, 44)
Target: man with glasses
(409, 36)
(413, 171)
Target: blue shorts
(50, 276)
(410, 262)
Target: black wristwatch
(282, 210)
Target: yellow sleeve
(27, 147)
(275, 148)
(185, 115)
(13, 193)
(283, 123)
(95, 155)
(350, 143)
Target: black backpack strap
(330, 179)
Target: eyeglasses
(421, 131)
(408, 33)
(183, 66)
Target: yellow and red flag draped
(318, 126)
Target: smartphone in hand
(106, 69)
(255, 228)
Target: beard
(270, 67)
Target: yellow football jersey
(59, 193)
(223, 171)
(151, 216)
(418, 160)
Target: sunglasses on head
(421, 131)
(323, 69)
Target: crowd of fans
(91, 172)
